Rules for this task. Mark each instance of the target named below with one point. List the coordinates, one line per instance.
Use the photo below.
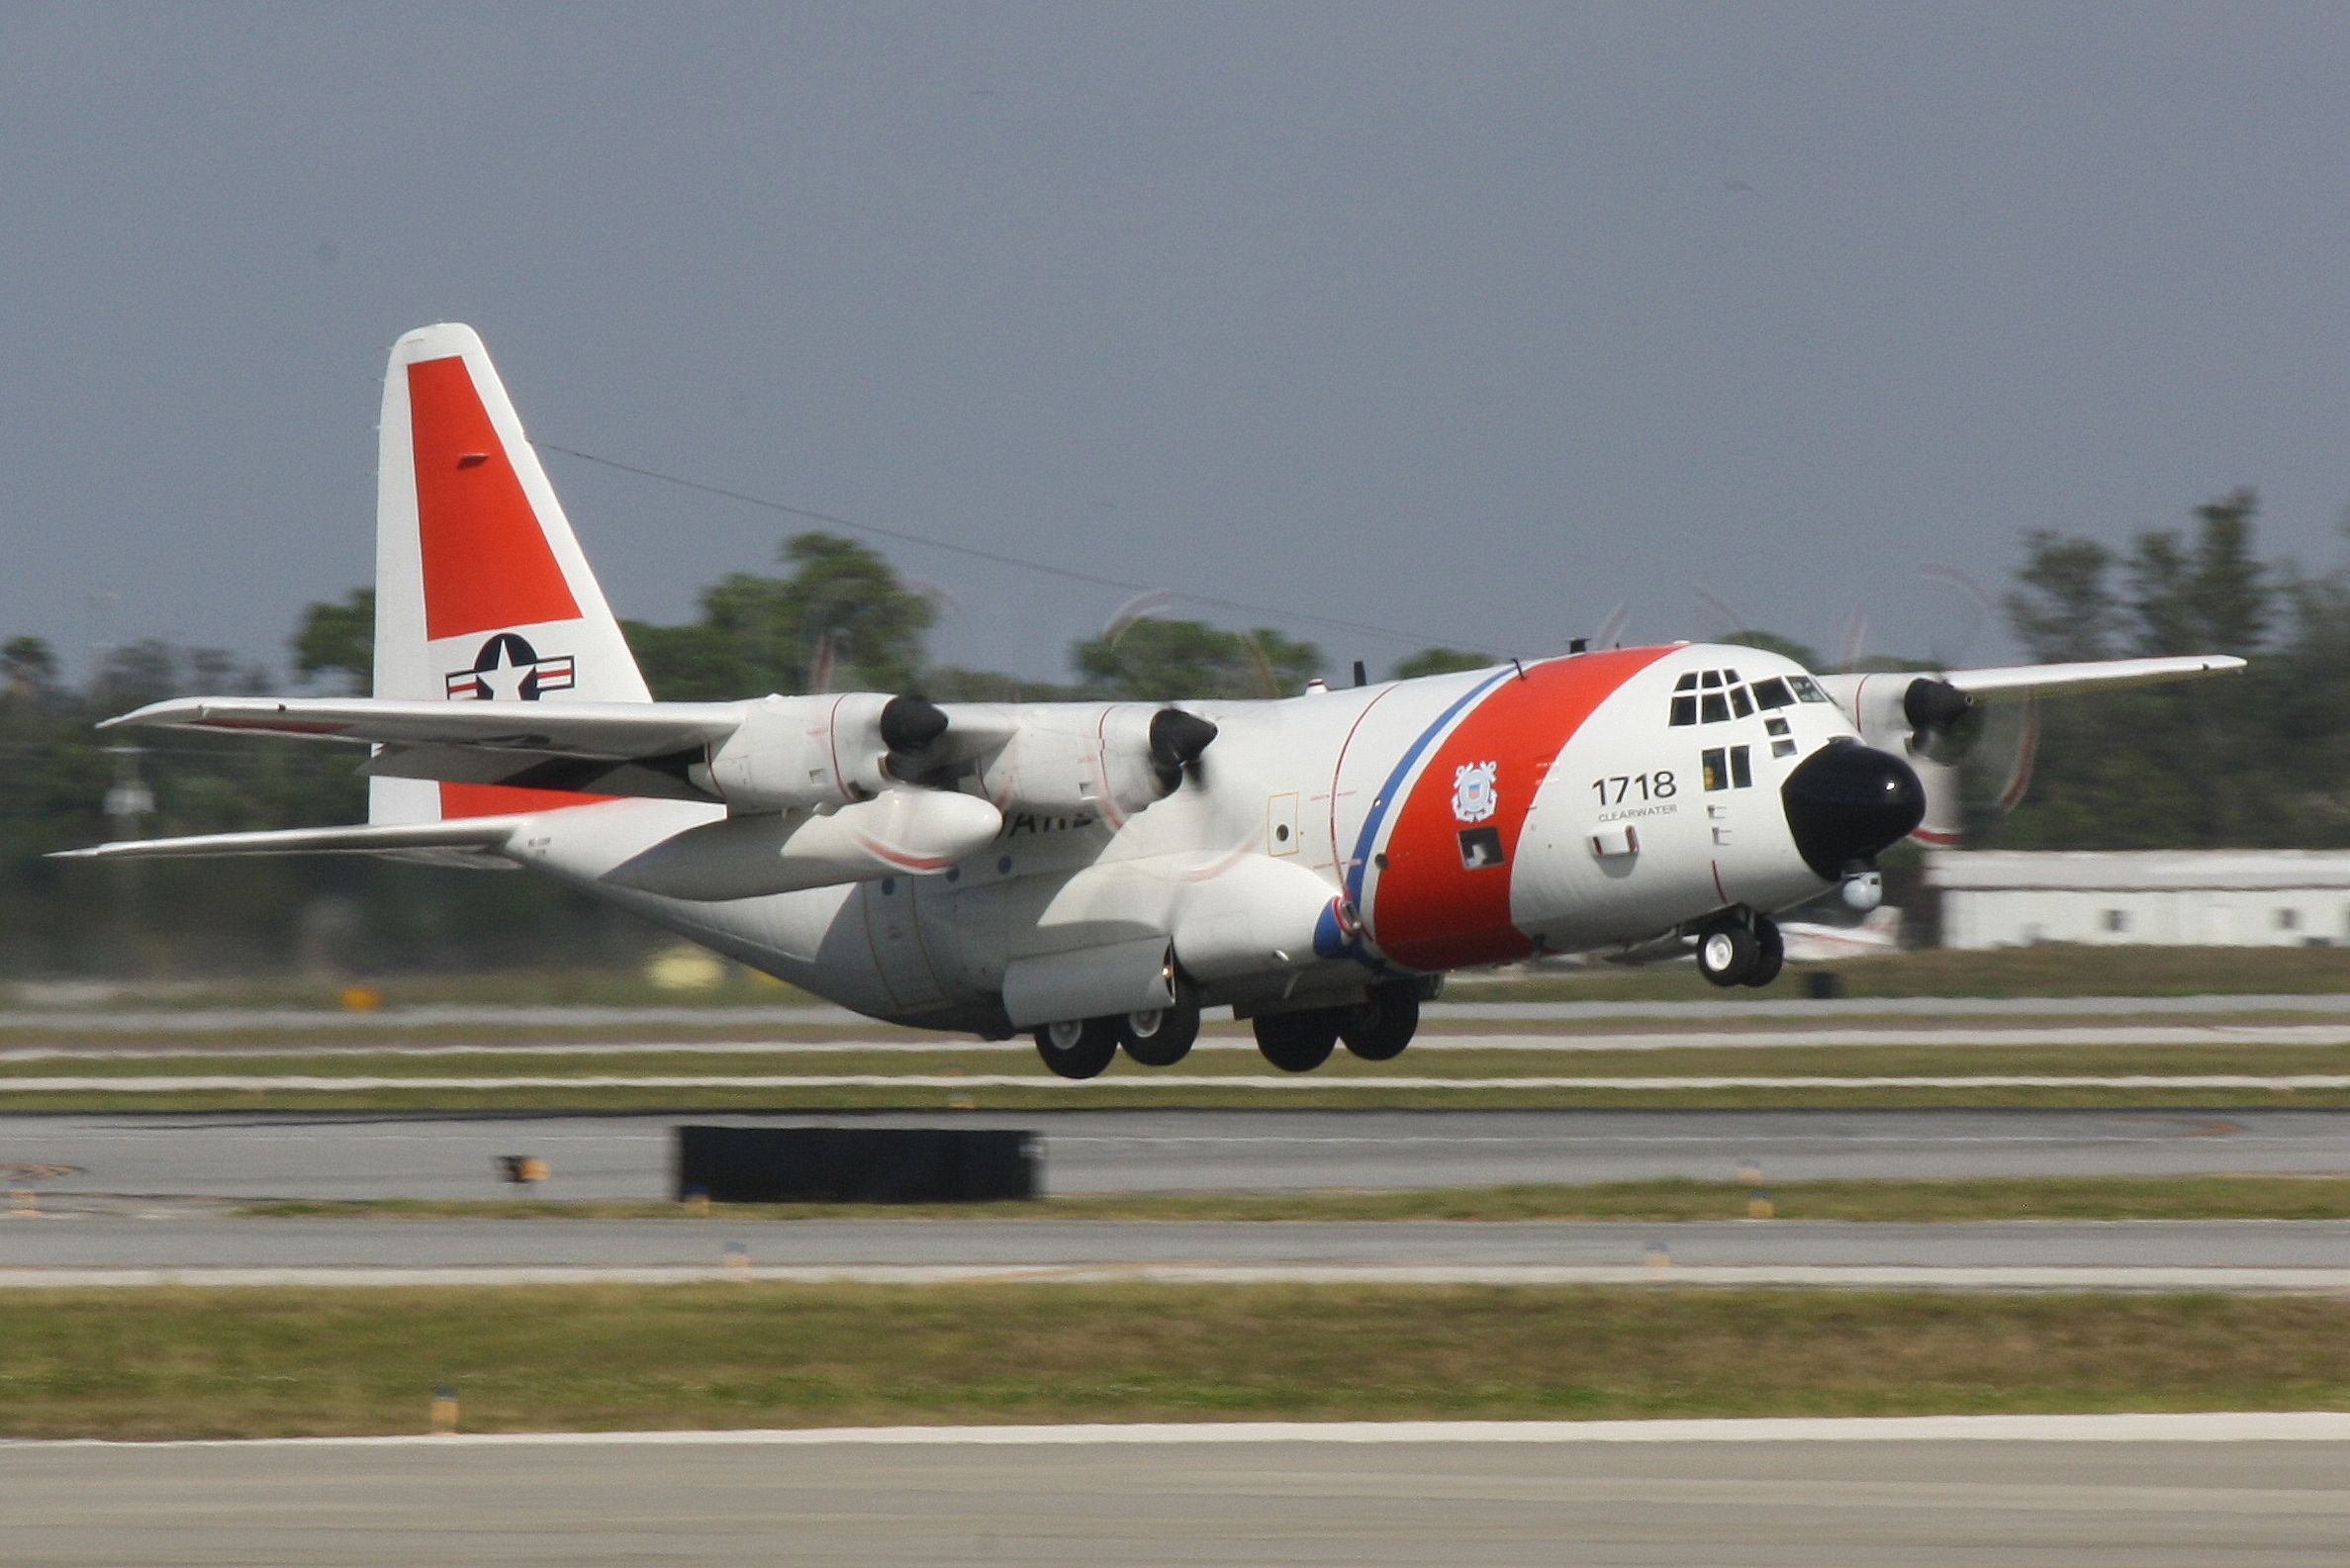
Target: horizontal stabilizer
(470, 837)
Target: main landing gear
(1377, 1029)
(1736, 951)
(1157, 1037)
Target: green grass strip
(220, 1363)
(2220, 1197)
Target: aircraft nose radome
(1847, 802)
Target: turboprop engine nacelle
(899, 832)
(1114, 760)
(1908, 713)
(802, 753)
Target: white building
(1998, 898)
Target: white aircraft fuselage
(1412, 826)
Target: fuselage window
(1772, 692)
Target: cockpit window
(1716, 697)
(1806, 688)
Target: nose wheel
(1732, 951)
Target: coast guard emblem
(1473, 796)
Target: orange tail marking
(487, 562)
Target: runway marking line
(1156, 1080)
(1989, 1277)
(2311, 1426)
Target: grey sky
(1469, 321)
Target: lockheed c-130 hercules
(1096, 873)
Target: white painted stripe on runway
(2246, 1035)
(313, 1083)
(1868, 1276)
(2285, 1425)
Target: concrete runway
(116, 1250)
(391, 1156)
(1290, 1500)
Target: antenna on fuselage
(1362, 675)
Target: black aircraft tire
(1162, 1036)
(1081, 1049)
(1725, 953)
(1298, 1042)
(1770, 954)
(1380, 1029)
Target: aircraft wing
(608, 731)
(2047, 680)
(644, 749)
(471, 839)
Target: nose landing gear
(1733, 951)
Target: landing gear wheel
(1163, 1036)
(1081, 1049)
(1770, 953)
(1298, 1042)
(1380, 1029)
(1725, 953)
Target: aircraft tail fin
(482, 593)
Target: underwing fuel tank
(898, 833)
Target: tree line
(2255, 760)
